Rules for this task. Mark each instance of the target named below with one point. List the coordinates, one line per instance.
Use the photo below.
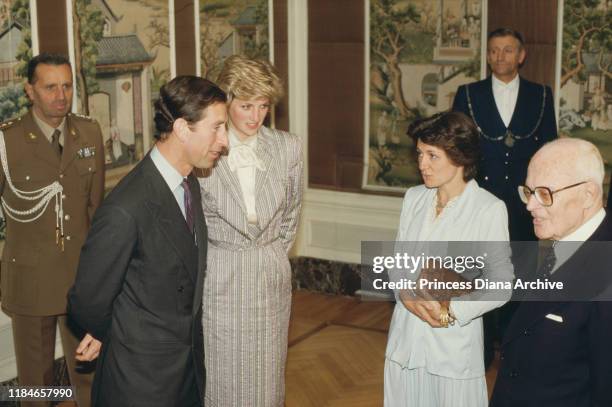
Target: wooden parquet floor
(336, 351)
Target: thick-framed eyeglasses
(543, 195)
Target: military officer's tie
(188, 207)
(57, 147)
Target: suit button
(536, 138)
(27, 177)
(63, 196)
(502, 356)
(180, 289)
(68, 237)
(506, 163)
(66, 217)
(514, 374)
(506, 177)
(486, 178)
(61, 176)
(527, 332)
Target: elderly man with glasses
(556, 351)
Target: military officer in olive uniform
(51, 182)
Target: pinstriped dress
(247, 290)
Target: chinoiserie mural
(420, 51)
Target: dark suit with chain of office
(557, 353)
(139, 291)
(502, 167)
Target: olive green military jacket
(35, 272)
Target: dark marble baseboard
(325, 276)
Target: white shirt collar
(235, 141)
(172, 177)
(584, 232)
(500, 85)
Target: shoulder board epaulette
(82, 116)
(9, 123)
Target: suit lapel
(230, 180)
(486, 111)
(167, 214)
(72, 143)
(202, 242)
(42, 146)
(266, 153)
(522, 104)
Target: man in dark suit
(50, 148)
(138, 288)
(556, 352)
(515, 117)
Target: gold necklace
(439, 206)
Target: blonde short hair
(246, 78)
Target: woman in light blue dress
(426, 364)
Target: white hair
(579, 157)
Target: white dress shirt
(244, 162)
(173, 178)
(505, 95)
(564, 251)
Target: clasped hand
(427, 309)
(88, 349)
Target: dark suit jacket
(502, 169)
(139, 290)
(545, 363)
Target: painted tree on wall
(586, 29)
(21, 12)
(158, 37)
(13, 101)
(389, 23)
(259, 49)
(232, 26)
(88, 28)
(209, 48)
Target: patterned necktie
(548, 264)
(55, 142)
(188, 207)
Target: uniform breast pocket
(26, 180)
(85, 169)
(29, 179)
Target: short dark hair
(184, 97)
(506, 32)
(47, 59)
(453, 132)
